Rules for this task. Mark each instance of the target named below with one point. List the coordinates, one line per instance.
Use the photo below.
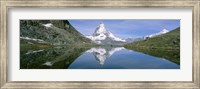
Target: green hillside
(164, 46)
(61, 32)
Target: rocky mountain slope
(54, 32)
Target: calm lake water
(91, 58)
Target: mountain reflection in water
(101, 54)
(105, 57)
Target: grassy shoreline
(169, 53)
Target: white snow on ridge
(48, 25)
(27, 38)
(30, 52)
(99, 37)
(115, 38)
(164, 31)
(48, 63)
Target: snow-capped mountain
(164, 31)
(103, 36)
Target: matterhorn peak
(101, 24)
(101, 29)
(103, 36)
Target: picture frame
(7, 4)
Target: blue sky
(126, 28)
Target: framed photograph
(100, 44)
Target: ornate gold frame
(6, 4)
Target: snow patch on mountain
(33, 39)
(30, 52)
(48, 63)
(48, 25)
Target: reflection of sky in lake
(119, 58)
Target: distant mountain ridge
(55, 32)
(164, 31)
(135, 39)
(103, 36)
(170, 39)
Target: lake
(104, 57)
